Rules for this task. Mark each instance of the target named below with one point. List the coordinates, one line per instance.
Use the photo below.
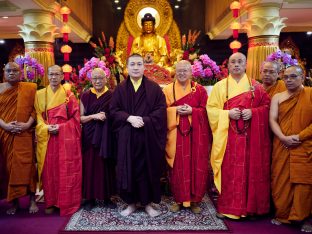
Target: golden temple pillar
(38, 33)
(263, 27)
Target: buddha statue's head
(148, 23)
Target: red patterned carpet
(24, 223)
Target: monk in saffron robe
(97, 163)
(238, 113)
(17, 159)
(188, 139)
(59, 145)
(269, 74)
(291, 122)
(138, 110)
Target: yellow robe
(219, 120)
(41, 105)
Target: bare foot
(33, 208)
(129, 210)
(151, 211)
(275, 222)
(49, 210)
(306, 227)
(14, 208)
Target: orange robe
(188, 142)
(292, 169)
(278, 87)
(17, 163)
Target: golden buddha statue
(149, 44)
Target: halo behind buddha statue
(131, 27)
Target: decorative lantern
(235, 6)
(67, 69)
(66, 50)
(235, 26)
(235, 45)
(65, 11)
(65, 30)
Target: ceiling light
(116, 1)
(176, 6)
(5, 17)
(179, 0)
(2, 41)
(119, 8)
(309, 33)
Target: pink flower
(208, 72)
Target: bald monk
(269, 74)
(17, 161)
(291, 122)
(238, 113)
(58, 145)
(188, 139)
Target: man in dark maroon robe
(138, 110)
(97, 164)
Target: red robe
(62, 168)
(245, 187)
(189, 174)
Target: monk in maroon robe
(188, 139)
(138, 110)
(97, 163)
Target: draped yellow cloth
(278, 87)
(219, 119)
(16, 104)
(292, 168)
(45, 100)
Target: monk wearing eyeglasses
(291, 122)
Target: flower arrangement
(31, 70)
(188, 46)
(85, 72)
(283, 58)
(205, 71)
(106, 52)
(82, 82)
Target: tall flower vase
(208, 89)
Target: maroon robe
(189, 174)
(97, 164)
(141, 151)
(245, 182)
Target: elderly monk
(291, 122)
(58, 145)
(188, 139)
(238, 112)
(149, 43)
(17, 160)
(269, 74)
(138, 110)
(97, 164)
